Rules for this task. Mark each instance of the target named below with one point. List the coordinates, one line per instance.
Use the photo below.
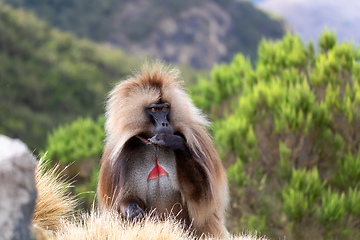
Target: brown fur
(126, 118)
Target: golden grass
(54, 201)
(108, 225)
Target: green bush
(296, 204)
(78, 148)
(352, 202)
(237, 174)
(288, 130)
(284, 169)
(79, 140)
(349, 170)
(332, 207)
(300, 195)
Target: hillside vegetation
(288, 134)
(48, 77)
(199, 33)
(288, 131)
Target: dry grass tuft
(108, 225)
(54, 201)
(247, 236)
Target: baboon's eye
(164, 108)
(153, 109)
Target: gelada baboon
(159, 156)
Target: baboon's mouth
(143, 139)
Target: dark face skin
(159, 114)
(164, 133)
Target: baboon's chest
(157, 182)
(163, 191)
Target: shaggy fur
(126, 118)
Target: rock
(17, 189)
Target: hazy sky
(308, 18)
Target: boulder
(17, 189)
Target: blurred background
(279, 79)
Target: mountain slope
(48, 77)
(199, 33)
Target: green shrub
(293, 120)
(295, 204)
(352, 202)
(300, 195)
(332, 207)
(284, 160)
(77, 141)
(237, 174)
(349, 170)
(78, 147)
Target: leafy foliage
(78, 148)
(81, 139)
(352, 203)
(287, 129)
(349, 170)
(332, 207)
(302, 192)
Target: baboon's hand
(174, 142)
(133, 212)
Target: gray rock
(17, 189)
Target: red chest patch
(157, 171)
